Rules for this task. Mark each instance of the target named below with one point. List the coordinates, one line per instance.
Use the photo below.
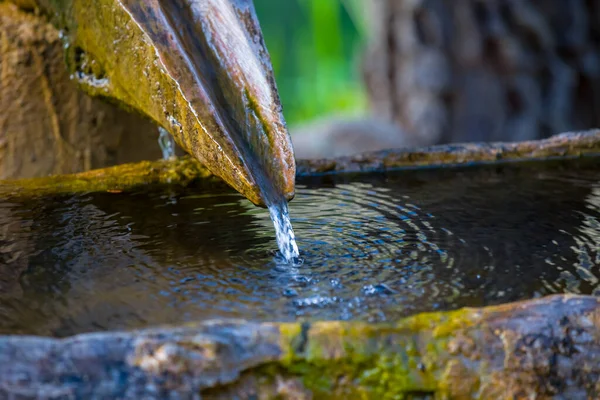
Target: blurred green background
(315, 48)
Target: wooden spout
(199, 69)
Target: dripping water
(277, 204)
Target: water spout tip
(263, 196)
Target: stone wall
(48, 126)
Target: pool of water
(374, 248)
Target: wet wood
(545, 348)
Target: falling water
(286, 240)
(278, 209)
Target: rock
(573, 144)
(47, 126)
(544, 348)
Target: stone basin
(547, 347)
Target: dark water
(375, 248)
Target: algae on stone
(181, 172)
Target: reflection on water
(584, 273)
(374, 248)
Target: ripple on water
(373, 248)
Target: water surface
(374, 248)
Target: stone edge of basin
(185, 171)
(542, 348)
(564, 145)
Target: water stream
(374, 248)
(284, 233)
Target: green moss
(374, 361)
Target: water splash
(286, 240)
